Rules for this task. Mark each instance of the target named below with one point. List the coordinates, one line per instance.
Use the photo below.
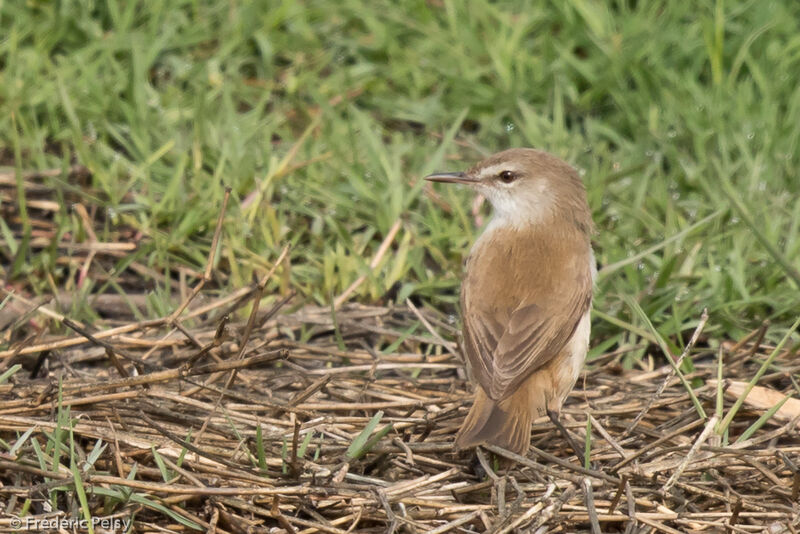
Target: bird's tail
(506, 423)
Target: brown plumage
(526, 294)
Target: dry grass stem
(269, 449)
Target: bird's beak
(451, 178)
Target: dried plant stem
(671, 375)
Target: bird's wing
(504, 355)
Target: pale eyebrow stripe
(497, 168)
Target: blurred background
(121, 122)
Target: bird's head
(525, 186)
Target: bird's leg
(564, 432)
(489, 465)
(476, 467)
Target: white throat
(518, 209)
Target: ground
(167, 168)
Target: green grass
(323, 116)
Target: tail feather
(506, 423)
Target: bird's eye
(507, 177)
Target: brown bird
(526, 294)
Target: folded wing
(503, 354)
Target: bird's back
(515, 276)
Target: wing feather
(503, 353)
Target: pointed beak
(451, 178)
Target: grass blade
(725, 423)
(667, 353)
(79, 489)
(356, 448)
(11, 371)
(744, 213)
(761, 420)
(587, 445)
(20, 442)
(162, 467)
(720, 397)
(262, 456)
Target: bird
(526, 295)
